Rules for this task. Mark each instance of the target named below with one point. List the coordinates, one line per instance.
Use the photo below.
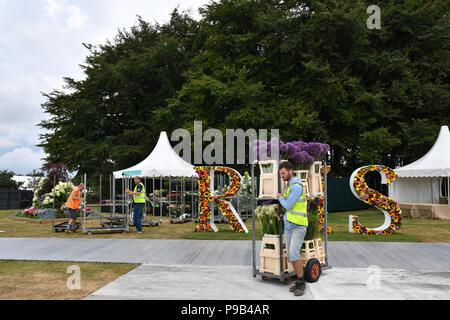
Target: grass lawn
(412, 230)
(21, 280)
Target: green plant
(268, 216)
(313, 230)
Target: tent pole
(100, 198)
(113, 211)
(182, 196)
(153, 198)
(431, 190)
(448, 190)
(123, 200)
(145, 206)
(160, 204)
(192, 195)
(170, 198)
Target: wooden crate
(313, 249)
(270, 258)
(268, 179)
(320, 251)
(304, 176)
(308, 250)
(315, 179)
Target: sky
(40, 43)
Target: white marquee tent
(425, 180)
(162, 162)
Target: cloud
(70, 13)
(75, 18)
(41, 43)
(21, 160)
(52, 7)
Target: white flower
(45, 202)
(258, 212)
(273, 211)
(51, 200)
(58, 194)
(61, 184)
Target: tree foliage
(310, 68)
(7, 182)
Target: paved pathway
(386, 255)
(209, 270)
(195, 282)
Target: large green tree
(310, 68)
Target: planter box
(36, 221)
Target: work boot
(300, 289)
(294, 287)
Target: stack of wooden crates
(268, 179)
(270, 254)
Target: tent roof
(163, 161)
(436, 163)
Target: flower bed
(377, 200)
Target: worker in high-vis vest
(73, 205)
(295, 222)
(138, 202)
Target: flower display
(57, 196)
(377, 200)
(321, 205)
(206, 198)
(177, 209)
(300, 154)
(267, 213)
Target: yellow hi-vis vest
(298, 214)
(141, 197)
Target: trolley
(312, 267)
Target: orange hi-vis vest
(71, 203)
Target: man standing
(138, 202)
(73, 205)
(295, 222)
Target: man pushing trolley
(295, 222)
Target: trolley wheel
(287, 281)
(265, 278)
(313, 270)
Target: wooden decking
(387, 255)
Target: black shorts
(73, 213)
